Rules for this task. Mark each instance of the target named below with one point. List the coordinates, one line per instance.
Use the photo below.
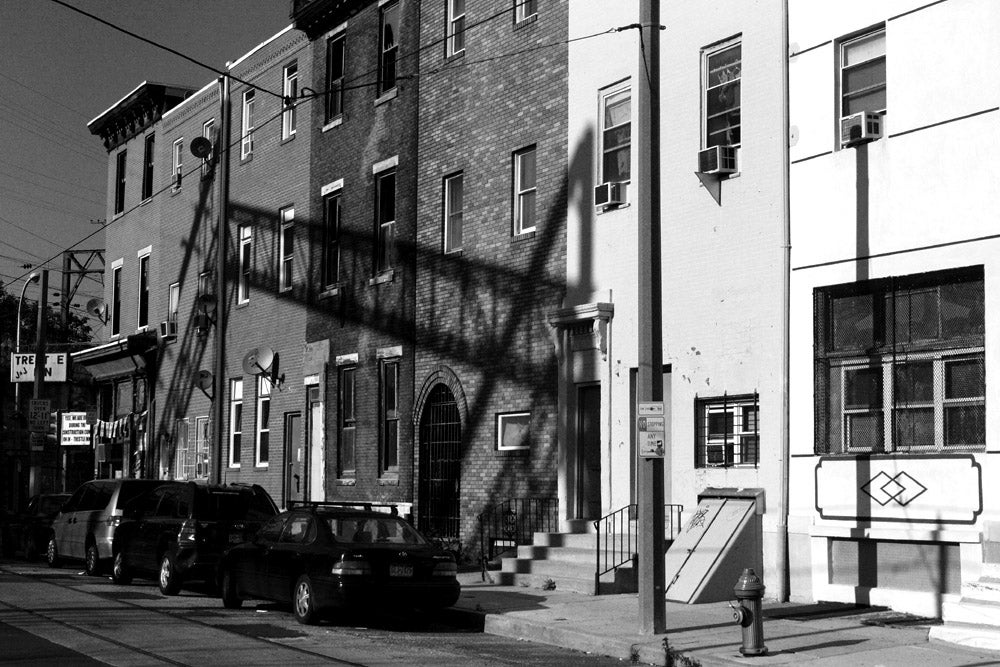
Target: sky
(58, 71)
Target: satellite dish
(258, 361)
(204, 380)
(98, 309)
(201, 147)
(207, 303)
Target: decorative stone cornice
(135, 112)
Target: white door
(317, 460)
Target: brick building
(359, 331)
(490, 253)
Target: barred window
(900, 364)
(726, 431)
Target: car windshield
(50, 504)
(367, 529)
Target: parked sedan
(320, 557)
(31, 529)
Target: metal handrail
(505, 526)
(616, 547)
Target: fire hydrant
(749, 592)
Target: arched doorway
(440, 464)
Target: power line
(163, 47)
(49, 138)
(38, 92)
(28, 231)
(49, 176)
(49, 188)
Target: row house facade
(894, 261)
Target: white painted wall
(929, 186)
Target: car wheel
(120, 572)
(170, 580)
(92, 560)
(304, 601)
(52, 553)
(230, 597)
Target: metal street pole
(652, 603)
(35, 467)
(33, 278)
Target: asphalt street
(63, 617)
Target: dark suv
(179, 531)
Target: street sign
(39, 415)
(22, 367)
(74, 431)
(652, 430)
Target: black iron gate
(440, 465)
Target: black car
(320, 556)
(31, 529)
(179, 531)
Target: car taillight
(113, 521)
(351, 568)
(445, 570)
(187, 533)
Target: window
(455, 27)
(389, 431)
(385, 220)
(524, 191)
(334, 77)
(290, 91)
(726, 431)
(147, 167)
(246, 243)
(388, 47)
(900, 364)
(513, 430)
(202, 440)
(862, 73)
(723, 69)
(178, 164)
(263, 421)
(246, 142)
(116, 300)
(524, 9)
(616, 136)
(287, 249)
(120, 182)
(143, 311)
(348, 423)
(183, 456)
(235, 422)
(208, 131)
(204, 283)
(453, 208)
(173, 301)
(331, 239)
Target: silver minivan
(85, 527)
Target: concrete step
(575, 540)
(972, 611)
(562, 554)
(972, 635)
(984, 588)
(624, 580)
(578, 526)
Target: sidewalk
(706, 635)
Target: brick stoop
(566, 561)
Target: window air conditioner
(168, 330)
(859, 128)
(609, 194)
(717, 160)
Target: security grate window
(726, 431)
(900, 364)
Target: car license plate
(235, 538)
(400, 570)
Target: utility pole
(222, 183)
(652, 592)
(34, 455)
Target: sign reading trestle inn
(22, 367)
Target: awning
(126, 356)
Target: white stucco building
(893, 331)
